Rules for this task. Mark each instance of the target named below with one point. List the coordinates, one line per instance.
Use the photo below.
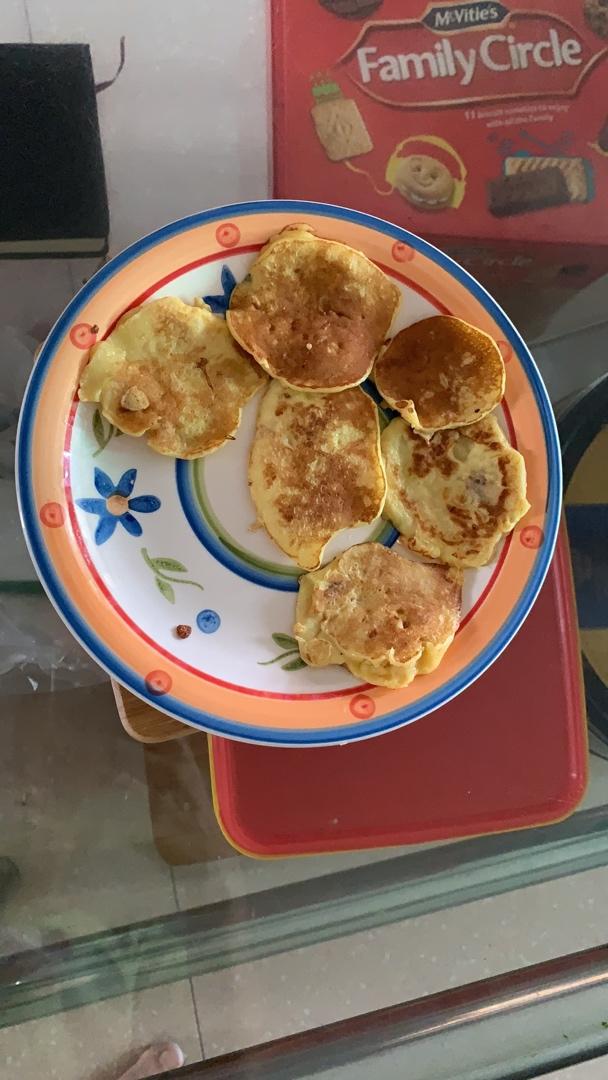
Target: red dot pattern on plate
(158, 682)
(532, 536)
(402, 252)
(83, 335)
(51, 515)
(228, 234)
(362, 706)
(505, 350)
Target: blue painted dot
(208, 621)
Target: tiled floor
(255, 1002)
(251, 1003)
(588, 1070)
(99, 1041)
(75, 820)
(239, 876)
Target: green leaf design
(159, 564)
(99, 429)
(163, 562)
(166, 589)
(294, 665)
(103, 431)
(285, 641)
(290, 645)
(281, 656)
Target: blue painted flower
(219, 304)
(116, 505)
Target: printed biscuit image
(339, 125)
(573, 168)
(527, 191)
(351, 9)
(424, 179)
(596, 16)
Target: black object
(53, 199)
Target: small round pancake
(171, 371)
(313, 313)
(315, 468)
(385, 617)
(441, 373)
(453, 498)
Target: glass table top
(126, 919)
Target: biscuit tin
(481, 126)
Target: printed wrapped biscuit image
(525, 192)
(596, 17)
(573, 169)
(338, 123)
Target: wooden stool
(183, 821)
(144, 723)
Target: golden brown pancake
(313, 312)
(315, 468)
(172, 371)
(441, 373)
(385, 617)
(453, 498)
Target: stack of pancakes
(314, 315)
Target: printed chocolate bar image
(527, 191)
(338, 123)
(573, 169)
(596, 16)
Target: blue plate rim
(131, 679)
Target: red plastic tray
(508, 753)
